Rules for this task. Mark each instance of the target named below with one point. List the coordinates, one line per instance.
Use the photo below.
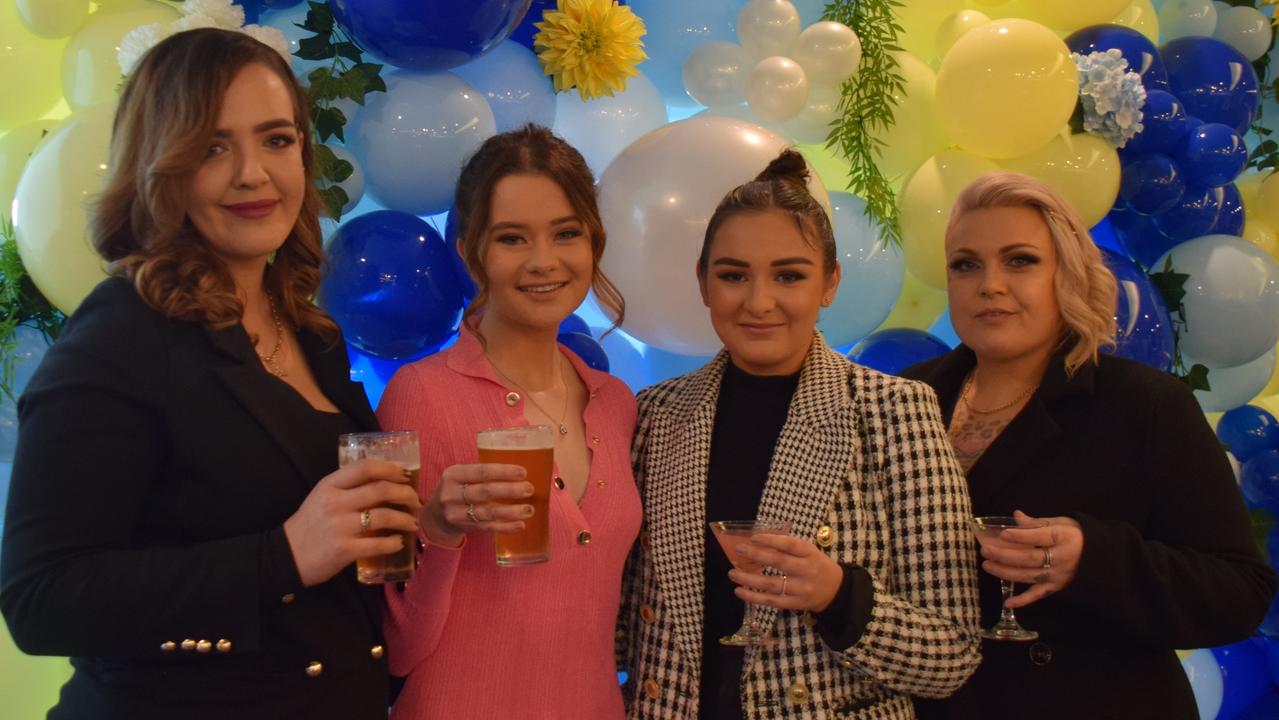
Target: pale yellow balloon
(1249, 184)
(16, 147)
(1141, 16)
(1267, 202)
(30, 67)
(53, 18)
(919, 20)
(915, 134)
(986, 3)
(90, 70)
(1006, 88)
(1070, 15)
(49, 210)
(954, 26)
(1262, 234)
(925, 204)
(831, 168)
(29, 684)
(1272, 385)
(1083, 167)
(918, 305)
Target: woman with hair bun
(872, 594)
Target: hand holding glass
(532, 447)
(730, 534)
(987, 530)
(399, 447)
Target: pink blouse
(479, 641)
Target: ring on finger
(365, 519)
(783, 590)
(1048, 558)
(470, 513)
(468, 502)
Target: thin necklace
(536, 404)
(968, 383)
(271, 362)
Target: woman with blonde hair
(1132, 538)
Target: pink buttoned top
(479, 641)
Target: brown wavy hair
(163, 128)
(530, 150)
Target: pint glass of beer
(399, 447)
(531, 447)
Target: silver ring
(365, 519)
(783, 591)
(1048, 558)
(470, 512)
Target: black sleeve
(842, 623)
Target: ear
(831, 286)
(701, 284)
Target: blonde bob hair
(1086, 289)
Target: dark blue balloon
(1103, 235)
(1152, 183)
(1213, 80)
(1212, 155)
(252, 9)
(1231, 219)
(279, 4)
(893, 350)
(1194, 215)
(1141, 240)
(1245, 675)
(428, 34)
(1265, 707)
(585, 347)
(1259, 480)
(1163, 125)
(574, 324)
(464, 280)
(1248, 430)
(1144, 326)
(390, 285)
(1141, 54)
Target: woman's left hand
(1043, 553)
(809, 578)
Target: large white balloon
(1245, 29)
(603, 127)
(1235, 386)
(777, 88)
(873, 272)
(767, 27)
(813, 123)
(1183, 18)
(715, 74)
(829, 52)
(656, 200)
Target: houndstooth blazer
(863, 466)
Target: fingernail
(528, 511)
(742, 549)
(528, 489)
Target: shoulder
(656, 398)
(1127, 383)
(873, 386)
(114, 323)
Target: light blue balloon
(1234, 386)
(28, 350)
(1232, 299)
(414, 138)
(510, 77)
(872, 273)
(810, 11)
(944, 329)
(1205, 680)
(639, 365)
(287, 21)
(675, 28)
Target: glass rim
(516, 428)
(995, 521)
(751, 524)
(377, 434)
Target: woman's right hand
(464, 501)
(326, 533)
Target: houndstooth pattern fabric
(861, 452)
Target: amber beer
(397, 447)
(532, 448)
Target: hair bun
(789, 165)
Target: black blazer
(1168, 560)
(156, 464)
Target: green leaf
(324, 159)
(324, 87)
(314, 48)
(348, 50)
(1262, 523)
(334, 198)
(1197, 378)
(340, 171)
(328, 123)
(319, 19)
(1171, 285)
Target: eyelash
(1016, 261)
(275, 142)
(786, 277)
(566, 234)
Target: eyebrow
(259, 128)
(1004, 249)
(734, 262)
(520, 226)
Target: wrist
(439, 531)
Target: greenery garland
(866, 106)
(1172, 286)
(1264, 157)
(20, 304)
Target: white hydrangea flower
(195, 22)
(1111, 95)
(272, 38)
(223, 13)
(137, 42)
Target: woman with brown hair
(176, 522)
(536, 641)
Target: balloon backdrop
(34, 91)
(872, 274)
(52, 19)
(675, 28)
(585, 347)
(90, 71)
(1248, 430)
(1144, 329)
(916, 132)
(925, 204)
(1234, 386)
(511, 79)
(602, 128)
(429, 34)
(891, 351)
(1083, 167)
(1213, 80)
(1142, 56)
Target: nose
(992, 281)
(541, 257)
(759, 299)
(249, 170)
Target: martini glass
(987, 530)
(730, 534)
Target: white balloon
(873, 271)
(603, 127)
(829, 52)
(812, 124)
(715, 74)
(354, 184)
(1234, 386)
(53, 19)
(767, 27)
(1245, 29)
(656, 200)
(742, 112)
(1183, 18)
(777, 88)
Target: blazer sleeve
(922, 636)
(1192, 576)
(628, 609)
(79, 574)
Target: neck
(251, 289)
(1002, 378)
(527, 356)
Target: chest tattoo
(971, 435)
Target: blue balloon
(390, 285)
(1103, 236)
(574, 324)
(252, 9)
(1152, 183)
(872, 272)
(895, 349)
(1212, 155)
(1141, 54)
(1214, 81)
(675, 29)
(464, 281)
(1266, 707)
(428, 34)
(1163, 125)
(1259, 480)
(1248, 430)
(1231, 219)
(1141, 240)
(585, 347)
(1144, 330)
(511, 79)
(1193, 215)
(1245, 675)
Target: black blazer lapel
(333, 373)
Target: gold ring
(783, 592)
(470, 512)
(1048, 558)
(365, 519)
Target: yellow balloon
(925, 204)
(29, 685)
(1272, 385)
(49, 211)
(954, 26)
(1083, 167)
(915, 134)
(831, 169)
(1260, 233)
(1070, 15)
(1006, 88)
(53, 18)
(919, 20)
(918, 305)
(1249, 184)
(1142, 17)
(16, 147)
(1267, 203)
(31, 70)
(90, 70)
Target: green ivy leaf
(348, 50)
(324, 86)
(1171, 285)
(334, 198)
(1196, 378)
(324, 160)
(340, 171)
(319, 19)
(315, 48)
(1262, 523)
(328, 123)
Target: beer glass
(399, 447)
(532, 447)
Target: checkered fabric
(861, 452)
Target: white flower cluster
(197, 14)
(1112, 96)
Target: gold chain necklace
(536, 404)
(271, 362)
(968, 383)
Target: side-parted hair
(530, 150)
(782, 186)
(1086, 289)
(163, 127)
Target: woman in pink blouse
(476, 640)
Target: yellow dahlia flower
(591, 45)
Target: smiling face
(1000, 270)
(537, 254)
(245, 196)
(764, 284)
